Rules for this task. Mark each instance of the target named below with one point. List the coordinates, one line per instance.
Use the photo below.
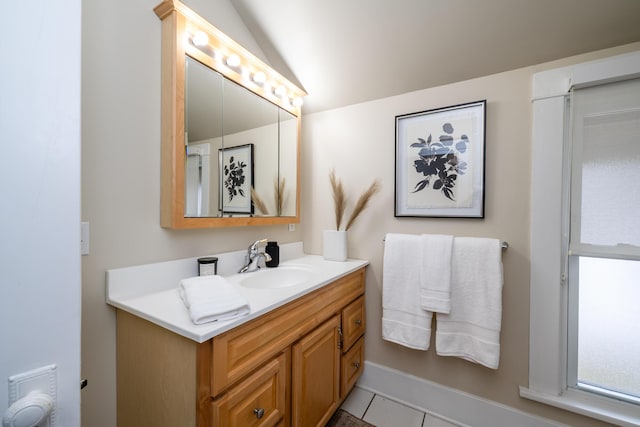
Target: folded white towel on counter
(472, 329)
(403, 320)
(435, 274)
(211, 298)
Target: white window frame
(548, 288)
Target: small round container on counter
(208, 266)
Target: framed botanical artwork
(440, 160)
(236, 179)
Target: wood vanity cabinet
(292, 366)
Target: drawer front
(353, 323)
(351, 367)
(259, 400)
(246, 347)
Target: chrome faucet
(254, 256)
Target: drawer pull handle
(259, 413)
(356, 364)
(358, 322)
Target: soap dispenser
(274, 251)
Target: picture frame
(236, 179)
(440, 162)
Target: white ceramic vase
(334, 245)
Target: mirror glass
(288, 162)
(241, 150)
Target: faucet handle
(257, 244)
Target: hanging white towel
(435, 274)
(211, 298)
(403, 320)
(472, 329)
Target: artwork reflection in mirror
(236, 164)
(221, 115)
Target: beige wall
(120, 195)
(121, 174)
(359, 142)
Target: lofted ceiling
(344, 52)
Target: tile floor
(383, 412)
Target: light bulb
(297, 102)
(259, 77)
(233, 60)
(200, 39)
(280, 91)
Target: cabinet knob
(356, 364)
(358, 322)
(258, 412)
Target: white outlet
(292, 227)
(41, 380)
(84, 238)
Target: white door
(40, 197)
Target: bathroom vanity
(291, 362)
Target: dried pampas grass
(339, 197)
(362, 202)
(258, 203)
(340, 200)
(279, 192)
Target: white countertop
(151, 291)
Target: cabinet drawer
(351, 367)
(353, 323)
(259, 400)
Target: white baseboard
(458, 406)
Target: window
(568, 300)
(604, 241)
(606, 355)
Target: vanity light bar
(232, 60)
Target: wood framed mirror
(230, 130)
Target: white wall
(40, 196)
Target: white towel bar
(503, 244)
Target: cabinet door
(259, 400)
(316, 375)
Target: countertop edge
(213, 329)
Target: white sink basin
(279, 277)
